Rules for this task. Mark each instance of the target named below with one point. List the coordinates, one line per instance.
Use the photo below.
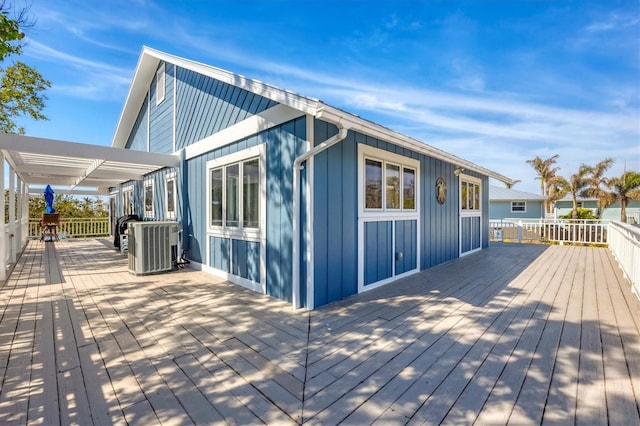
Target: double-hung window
(170, 196)
(235, 195)
(518, 206)
(127, 200)
(148, 200)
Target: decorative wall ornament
(441, 190)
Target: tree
(595, 183)
(21, 86)
(574, 186)
(69, 207)
(545, 173)
(623, 189)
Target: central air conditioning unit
(150, 246)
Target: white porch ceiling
(76, 167)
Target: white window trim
(376, 215)
(149, 214)
(174, 214)
(367, 152)
(468, 212)
(250, 234)
(160, 75)
(519, 211)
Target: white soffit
(69, 165)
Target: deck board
(521, 334)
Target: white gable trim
(265, 120)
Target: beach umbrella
(48, 200)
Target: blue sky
(494, 82)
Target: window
(399, 186)
(579, 204)
(148, 199)
(170, 196)
(127, 200)
(160, 84)
(235, 195)
(518, 206)
(469, 195)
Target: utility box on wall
(150, 246)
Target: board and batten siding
(205, 106)
(161, 119)
(500, 209)
(159, 179)
(140, 132)
(335, 213)
(283, 144)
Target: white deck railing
(624, 243)
(579, 231)
(75, 227)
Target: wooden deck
(517, 334)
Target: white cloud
(94, 79)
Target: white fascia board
(353, 122)
(142, 77)
(265, 120)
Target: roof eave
(344, 119)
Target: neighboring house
(287, 195)
(564, 207)
(509, 203)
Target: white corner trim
(265, 120)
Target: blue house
(289, 196)
(513, 204)
(564, 207)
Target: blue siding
(159, 179)
(377, 251)
(161, 120)
(219, 254)
(140, 131)
(205, 106)
(439, 222)
(284, 143)
(500, 209)
(335, 218)
(407, 244)
(470, 234)
(246, 259)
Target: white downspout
(297, 166)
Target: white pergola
(70, 168)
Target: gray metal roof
(497, 193)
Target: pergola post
(19, 218)
(25, 214)
(12, 215)
(3, 233)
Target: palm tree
(595, 183)
(557, 188)
(545, 173)
(574, 186)
(623, 189)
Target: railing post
(520, 231)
